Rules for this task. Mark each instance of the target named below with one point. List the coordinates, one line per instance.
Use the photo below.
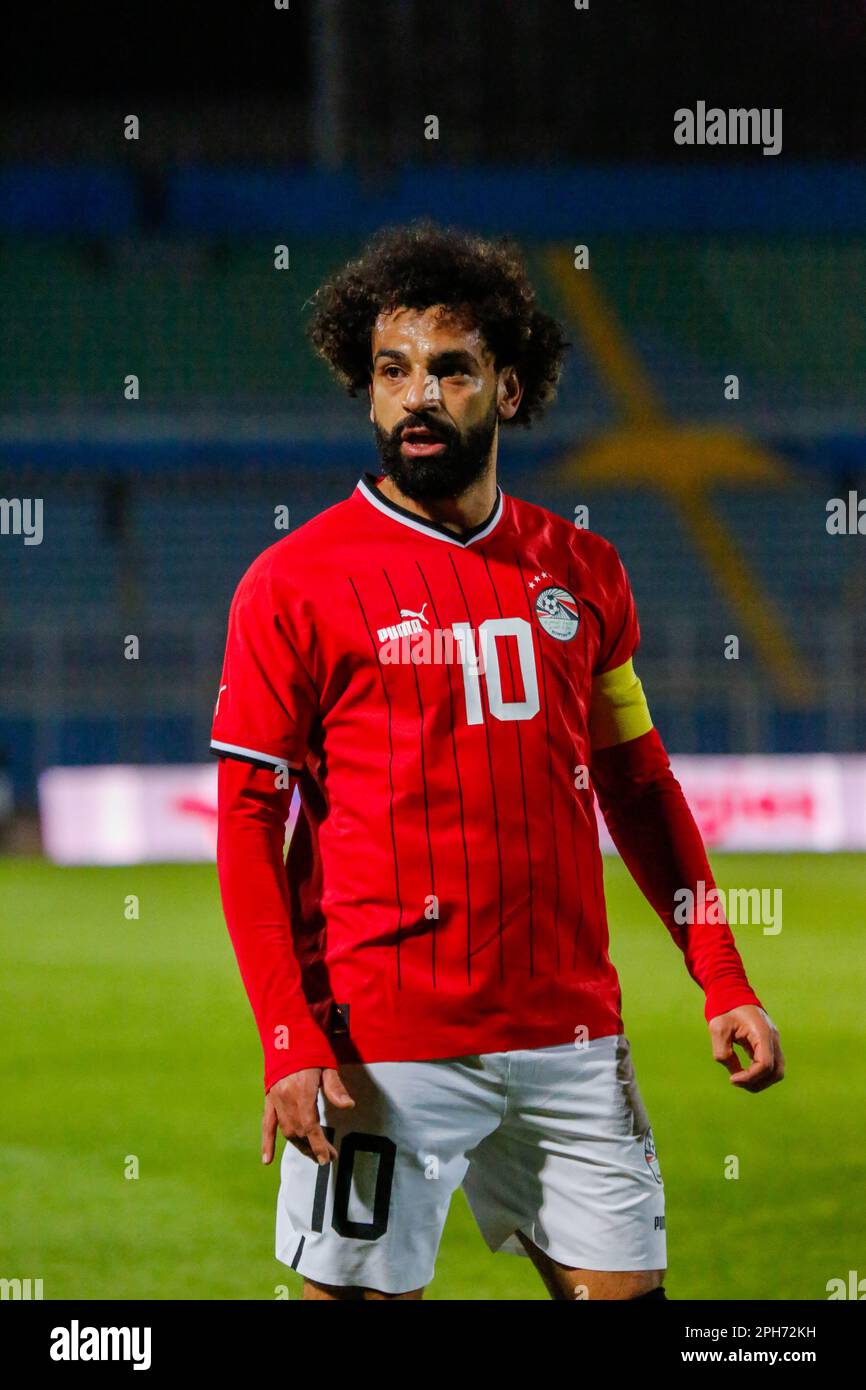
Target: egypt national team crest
(558, 613)
(649, 1153)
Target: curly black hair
(423, 264)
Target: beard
(446, 475)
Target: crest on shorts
(649, 1153)
(558, 613)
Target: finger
(322, 1151)
(723, 1050)
(753, 1078)
(303, 1147)
(731, 1062)
(759, 1083)
(334, 1090)
(759, 1046)
(301, 1138)
(269, 1131)
(307, 1126)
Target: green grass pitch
(133, 1037)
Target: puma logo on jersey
(412, 623)
(410, 613)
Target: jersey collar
(368, 489)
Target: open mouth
(418, 442)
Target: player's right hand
(291, 1104)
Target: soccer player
(445, 675)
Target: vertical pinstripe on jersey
(578, 926)
(459, 782)
(390, 777)
(587, 810)
(553, 835)
(493, 797)
(423, 773)
(522, 784)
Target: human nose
(421, 392)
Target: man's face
(435, 401)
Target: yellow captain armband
(618, 711)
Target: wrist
(727, 995)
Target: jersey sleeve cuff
(251, 755)
(727, 995)
(306, 1046)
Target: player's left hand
(753, 1030)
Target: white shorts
(553, 1142)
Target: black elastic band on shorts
(298, 1253)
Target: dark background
(513, 80)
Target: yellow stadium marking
(681, 461)
(620, 366)
(762, 621)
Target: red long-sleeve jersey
(443, 706)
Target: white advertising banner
(779, 802)
(133, 815)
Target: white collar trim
(421, 524)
